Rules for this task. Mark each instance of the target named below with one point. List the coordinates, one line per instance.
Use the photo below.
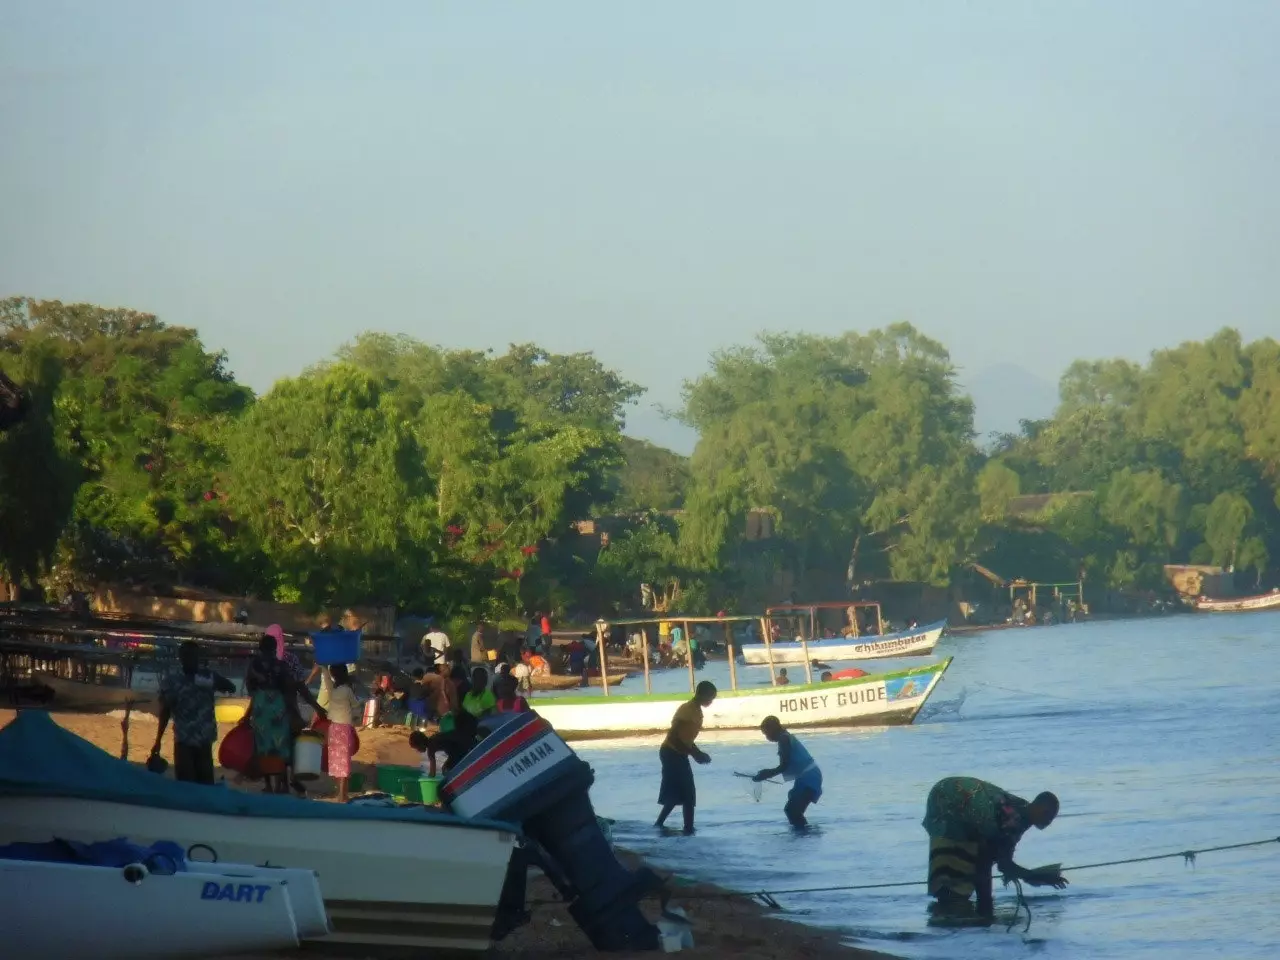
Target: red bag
(236, 750)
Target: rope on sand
(768, 897)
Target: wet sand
(734, 928)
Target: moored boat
(888, 698)
(132, 913)
(398, 877)
(1262, 601)
(918, 641)
(552, 681)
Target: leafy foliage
(860, 445)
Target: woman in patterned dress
(274, 690)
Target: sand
(723, 928)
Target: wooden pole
(733, 667)
(768, 648)
(880, 619)
(808, 667)
(604, 657)
(688, 655)
(644, 649)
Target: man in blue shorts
(797, 767)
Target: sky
(1027, 182)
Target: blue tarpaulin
(161, 857)
(40, 759)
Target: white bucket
(674, 928)
(307, 755)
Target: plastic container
(429, 790)
(308, 755)
(393, 779)
(336, 646)
(231, 711)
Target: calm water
(1157, 735)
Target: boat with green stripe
(871, 700)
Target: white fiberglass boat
(406, 877)
(78, 911)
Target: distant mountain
(1005, 393)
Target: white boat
(407, 877)
(874, 699)
(76, 911)
(1262, 601)
(908, 643)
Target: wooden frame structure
(685, 622)
(799, 609)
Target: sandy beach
(723, 927)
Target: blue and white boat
(915, 642)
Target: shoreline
(728, 927)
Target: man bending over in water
(973, 825)
(795, 764)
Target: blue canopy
(40, 759)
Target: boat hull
(908, 643)
(554, 681)
(1265, 601)
(892, 698)
(384, 882)
(132, 914)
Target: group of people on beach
(972, 825)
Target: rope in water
(767, 897)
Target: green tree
(860, 445)
(998, 485)
(39, 471)
(649, 478)
(328, 476)
(145, 406)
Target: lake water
(1158, 735)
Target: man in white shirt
(436, 640)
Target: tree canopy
(451, 480)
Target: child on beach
(340, 734)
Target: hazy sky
(1029, 182)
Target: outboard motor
(524, 773)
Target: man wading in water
(973, 825)
(677, 788)
(795, 764)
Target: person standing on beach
(187, 697)
(435, 643)
(795, 764)
(973, 825)
(341, 732)
(273, 713)
(677, 788)
(479, 650)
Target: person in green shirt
(974, 825)
(479, 700)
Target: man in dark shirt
(973, 825)
(186, 696)
(456, 742)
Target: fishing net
(753, 787)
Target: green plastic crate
(399, 781)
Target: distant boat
(917, 641)
(1261, 601)
(551, 681)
